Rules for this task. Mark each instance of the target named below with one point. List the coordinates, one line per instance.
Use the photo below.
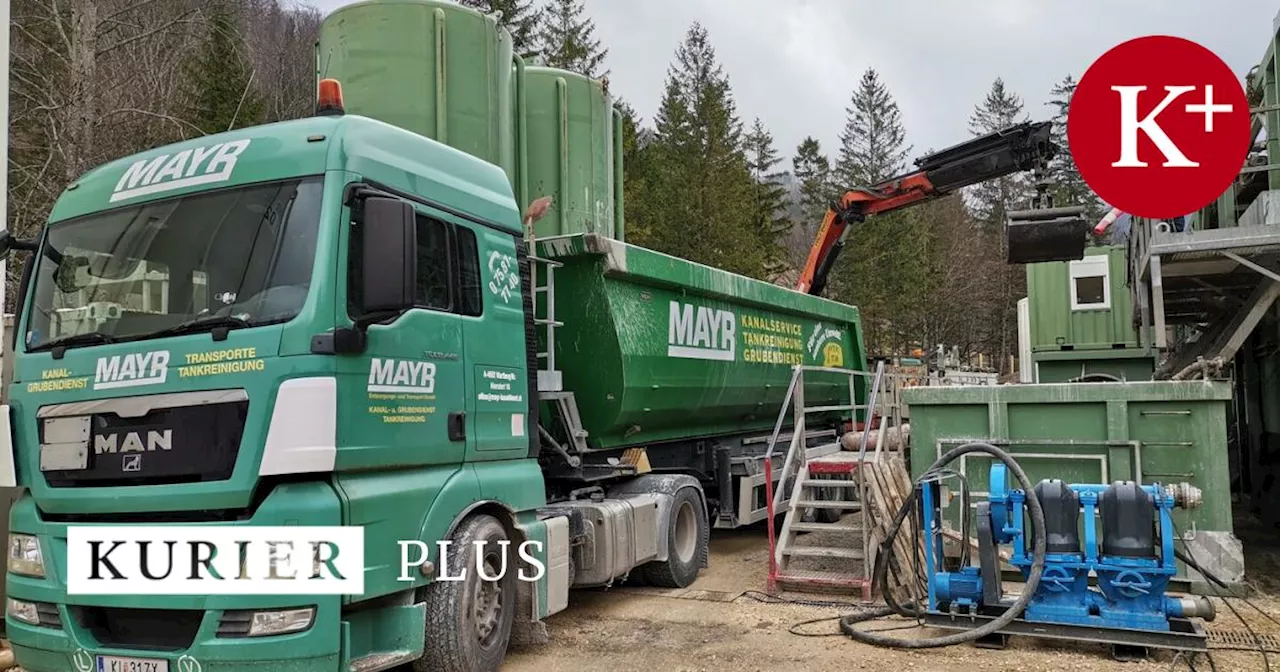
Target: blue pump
(1127, 551)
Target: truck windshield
(235, 258)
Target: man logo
(132, 463)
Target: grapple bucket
(1051, 234)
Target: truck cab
(321, 322)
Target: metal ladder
(829, 483)
(550, 378)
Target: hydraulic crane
(1044, 234)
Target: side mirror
(389, 255)
(8, 243)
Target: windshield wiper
(87, 338)
(207, 323)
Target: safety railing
(793, 404)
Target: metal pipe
(522, 135)
(1047, 213)
(619, 217)
(562, 189)
(442, 121)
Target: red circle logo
(1159, 127)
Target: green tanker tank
(434, 68)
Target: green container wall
(434, 68)
(1055, 325)
(1180, 429)
(570, 142)
(632, 388)
(1062, 367)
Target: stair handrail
(798, 439)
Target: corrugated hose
(848, 622)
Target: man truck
(346, 321)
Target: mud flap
(1052, 234)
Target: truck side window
(434, 289)
(470, 301)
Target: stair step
(825, 552)
(819, 483)
(828, 504)
(800, 580)
(826, 527)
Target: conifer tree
(218, 78)
(769, 196)
(883, 261)
(567, 39)
(519, 17)
(1068, 187)
(699, 198)
(813, 171)
(873, 143)
(991, 201)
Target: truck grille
(148, 629)
(186, 444)
(235, 624)
(49, 616)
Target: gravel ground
(714, 626)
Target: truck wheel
(686, 539)
(469, 621)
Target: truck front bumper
(190, 633)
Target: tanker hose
(913, 611)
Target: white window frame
(1091, 267)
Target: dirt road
(715, 627)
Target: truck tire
(469, 621)
(686, 543)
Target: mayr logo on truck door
(698, 332)
(188, 168)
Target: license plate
(118, 664)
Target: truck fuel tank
(618, 535)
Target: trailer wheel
(686, 543)
(469, 621)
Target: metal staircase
(823, 498)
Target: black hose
(886, 546)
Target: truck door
(408, 390)
(496, 355)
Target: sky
(795, 63)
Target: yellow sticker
(833, 355)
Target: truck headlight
(280, 622)
(24, 555)
(23, 611)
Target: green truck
(342, 322)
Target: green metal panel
(1152, 432)
(1055, 326)
(1124, 368)
(570, 144)
(643, 374)
(434, 68)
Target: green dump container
(1150, 432)
(657, 348)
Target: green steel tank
(571, 130)
(657, 348)
(432, 67)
